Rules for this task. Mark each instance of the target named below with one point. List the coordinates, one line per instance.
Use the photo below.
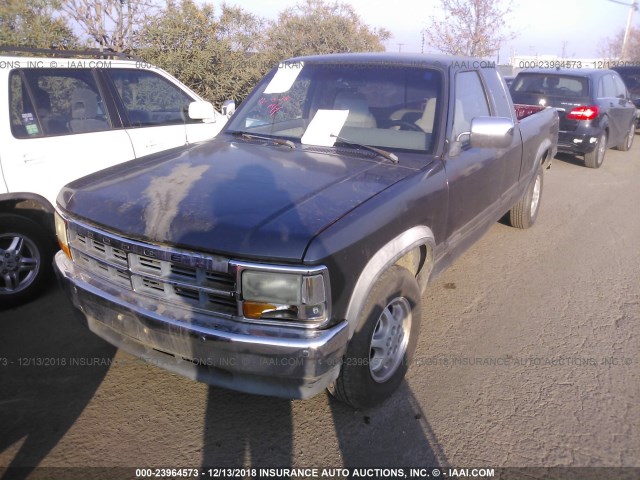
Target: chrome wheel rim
(390, 339)
(19, 262)
(632, 133)
(535, 196)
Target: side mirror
(491, 132)
(228, 107)
(201, 110)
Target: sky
(541, 26)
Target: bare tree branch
(109, 23)
(611, 48)
(470, 27)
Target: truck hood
(232, 197)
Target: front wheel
(524, 213)
(25, 259)
(594, 159)
(380, 350)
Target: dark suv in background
(631, 77)
(594, 106)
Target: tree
(220, 56)
(34, 23)
(109, 23)
(611, 48)
(470, 27)
(316, 27)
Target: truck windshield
(382, 105)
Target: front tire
(524, 213)
(382, 346)
(26, 254)
(594, 159)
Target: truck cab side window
(470, 102)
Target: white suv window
(48, 102)
(149, 99)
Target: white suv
(66, 118)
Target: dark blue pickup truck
(289, 254)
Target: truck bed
(537, 123)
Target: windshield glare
(387, 106)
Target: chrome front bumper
(266, 360)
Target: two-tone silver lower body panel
(260, 359)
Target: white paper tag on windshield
(325, 123)
(284, 77)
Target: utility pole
(400, 46)
(627, 31)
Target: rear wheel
(594, 159)
(25, 259)
(379, 353)
(627, 143)
(524, 213)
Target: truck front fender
(418, 239)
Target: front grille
(196, 281)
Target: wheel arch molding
(412, 249)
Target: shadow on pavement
(570, 159)
(247, 430)
(394, 434)
(51, 367)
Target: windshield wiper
(379, 151)
(277, 141)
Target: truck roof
(414, 59)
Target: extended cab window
(470, 102)
(150, 99)
(46, 102)
(389, 106)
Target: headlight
(61, 233)
(288, 296)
